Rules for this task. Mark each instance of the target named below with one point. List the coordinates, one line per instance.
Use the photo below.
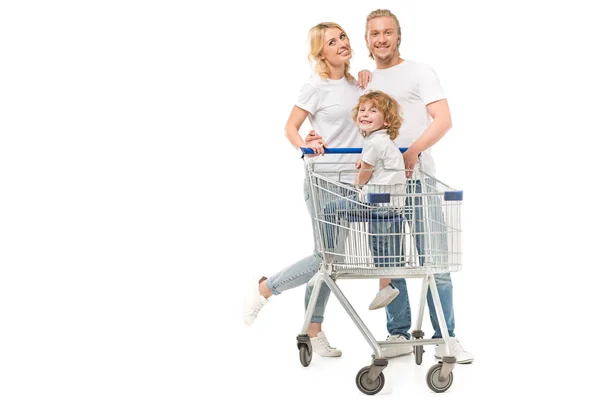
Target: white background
(145, 179)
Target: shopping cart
(411, 231)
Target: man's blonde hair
(382, 13)
(388, 106)
(317, 42)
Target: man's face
(383, 38)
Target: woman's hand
(317, 145)
(364, 78)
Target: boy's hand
(358, 164)
(411, 158)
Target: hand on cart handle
(316, 143)
(410, 160)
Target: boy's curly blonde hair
(389, 108)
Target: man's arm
(441, 124)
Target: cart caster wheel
(305, 355)
(365, 385)
(434, 382)
(418, 350)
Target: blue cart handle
(342, 150)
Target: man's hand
(358, 163)
(364, 78)
(411, 158)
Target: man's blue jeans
(398, 311)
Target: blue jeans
(398, 311)
(300, 272)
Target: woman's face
(336, 48)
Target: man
(416, 88)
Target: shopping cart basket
(397, 231)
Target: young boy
(378, 118)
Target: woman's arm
(292, 131)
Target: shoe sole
(458, 362)
(385, 302)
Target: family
(399, 104)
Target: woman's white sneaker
(253, 304)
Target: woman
(327, 100)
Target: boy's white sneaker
(321, 346)
(253, 304)
(384, 297)
(462, 356)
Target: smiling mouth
(344, 52)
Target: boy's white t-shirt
(413, 85)
(388, 164)
(329, 104)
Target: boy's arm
(366, 170)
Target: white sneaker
(253, 304)
(396, 350)
(384, 297)
(320, 345)
(462, 356)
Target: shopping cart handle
(342, 150)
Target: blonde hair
(389, 108)
(382, 13)
(317, 42)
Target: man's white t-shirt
(388, 165)
(329, 104)
(413, 85)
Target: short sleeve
(430, 89)
(370, 153)
(308, 99)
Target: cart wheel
(434, 382)
(418, 350)
(367, 386)
(305, 355)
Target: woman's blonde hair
(389, 108)
(317, 42)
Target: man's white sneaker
(462, 356)
(321, 346)
(384, 297)
(253, 304)
(396, 350)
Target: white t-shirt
(413, 85)
(388, 165)
(330, 103)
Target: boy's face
(369, 117)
